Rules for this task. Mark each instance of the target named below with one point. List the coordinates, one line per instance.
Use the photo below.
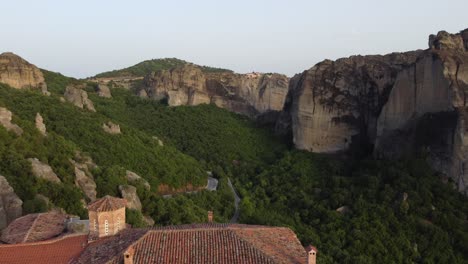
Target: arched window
(95, 225)
(106, 227)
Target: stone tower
(106, 216)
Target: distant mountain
(145, 67)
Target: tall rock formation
(20, 74)
(249, 94)
(10, 204)
(79, 97)
(43, 171)
(5, 121)
(394, 104)
(40, 124)
(84, 179)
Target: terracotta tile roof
(34, 227)
(107, 203)
(57, 251)
(200, 243)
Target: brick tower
(106, 216)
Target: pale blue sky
(82, 38)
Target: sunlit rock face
(20, 74)
(336, 104)
(391, 105)
(249, 94)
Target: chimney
(128, 255)
(311, 254)
(210, 216)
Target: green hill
(143, 68)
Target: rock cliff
(5, 121)
(10, 204)
(129, 193)
(84, 179)
(390, 105)
(249, 94)
(43, 171)
(78, 97)
(40, 124)
(20, 74)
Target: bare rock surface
(83, 177)
(10, 204)
(79, 97)
(104, 91)
(43, 171)
(20, 74)
(391, 105)
(249, 94)
(132, 177)
(5, 121)
(111, 128)
(40, 124)
(129, 193)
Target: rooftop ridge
(31, 228)
(44, 242)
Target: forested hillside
(389, 212)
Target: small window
(106, 227)
(95, 225)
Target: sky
(86, 37)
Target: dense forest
(388, 211)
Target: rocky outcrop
(249, 94)
(111, 128)
(129, 193)
(5, 121)
(20, 74)
(43, 171)
(83, 177)
(135, 178)
(79, 97)
(104, 91)
(10, 204)
(40, 124)
(391, 105)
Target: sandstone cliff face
(104, 91)
(5, 121)
(337, 103)
(43, 171)
(20, 74)
(248, 94)
(111, 128)
(40, 124)
(79, 98)
(10, 204)
(392, 105)
(83, 177)
(129, 193)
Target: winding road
(235, 217)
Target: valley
(364, 157)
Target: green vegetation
(303, 191)
(278, 186)
(143, 68)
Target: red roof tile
(57, 251)
(34, 227)
(107, 203)
(200, 243)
